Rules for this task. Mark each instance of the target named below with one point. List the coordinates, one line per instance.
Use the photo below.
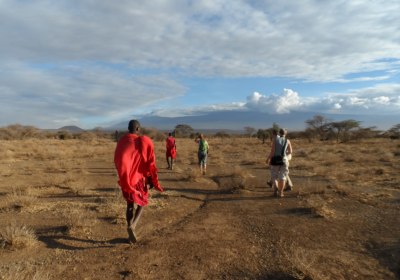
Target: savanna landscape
(62, 215)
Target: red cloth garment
(135, 162)
(171, 148)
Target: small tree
(394, 132)
(183, 130)
(263, 134)
(249, 130)
(342, 129)
(319, 125)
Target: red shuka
(171, 149)
(135, 162)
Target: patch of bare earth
(62, 215)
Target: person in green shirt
(202, 153)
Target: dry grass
(16, 236)
(319, 206)
(20, 198)
(113, 207)
(80, 220)
(74, 180)
(303, 262)
(22, 271)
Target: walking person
(171, 150)
(278, 159)
(135, 161)
(273, 138)
(202, 153)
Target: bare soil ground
(62, 215)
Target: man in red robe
(136, 165)
(171, 150)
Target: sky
(95, 63)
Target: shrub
(17, 237)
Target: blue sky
(95, 63)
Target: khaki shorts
(280, 172)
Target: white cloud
(65, 95)
(380, 99)
(313, 40)
(72, 60)
(280, 104)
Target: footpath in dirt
(219, 227)
(214, 227)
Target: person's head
(170, 134)
(274, 132)
(282, 132)
(201, 135)
(133, 126)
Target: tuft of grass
(16, 236)
(113, 207)
(303, 262)
(80, 221)
(22, 271)
(319, 207)
(194, 175)
(20, 198)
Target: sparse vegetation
(70, 211)
(15, 237)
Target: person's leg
(200, 162)
(289, 185)
(129, 213)
(282, 177)
(274, 178)
(271, 181)
(169, 166)
(281, 185)
(138, 214)
(205, 164)
(172, 163)
(129, 219)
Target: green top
(203, 145)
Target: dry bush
(319, 206)
(233, 180)
(17, 131)
(158, 201)
(193, 175)
(20, 198)
(77, 187)
(79, 220)
(153, 133)
(16, 236)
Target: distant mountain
(71, 128)
(237, 120)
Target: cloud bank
(383, 99)
(90, 62)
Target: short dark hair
(133, 126)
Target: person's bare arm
(289, 149)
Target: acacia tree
(183, 130)
(263, 134)
(341, 129)
(319, 125)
